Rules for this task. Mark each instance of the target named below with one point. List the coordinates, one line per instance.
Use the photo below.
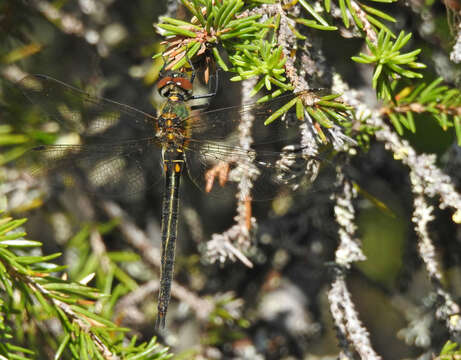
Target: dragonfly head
(175, 85)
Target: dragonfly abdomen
(170, 207)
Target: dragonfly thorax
(171, 128)
(175, 87)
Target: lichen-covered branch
(351, 332)
(448, 309)
(235, 241)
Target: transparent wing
(218, 169)
(122, 169)
(85, 114)
(217, 162)
(120, 163)
(222, 123)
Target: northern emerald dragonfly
(118, 144)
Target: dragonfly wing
(218, 169)
(82, 113)
(222, 124)
(123, 169)
(270, 162)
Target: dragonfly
(122, 150)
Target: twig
(133, 235)
(350, 329)
(220, 247)
(422, 215)
(127, 306)
(455, 54)
(367, 27)
(67, 23)
(349, 249)
(99, 248)
(433, 180)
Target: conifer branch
(28, 279)
(432, 100)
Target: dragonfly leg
(211, 92)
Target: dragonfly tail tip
(160, 322)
